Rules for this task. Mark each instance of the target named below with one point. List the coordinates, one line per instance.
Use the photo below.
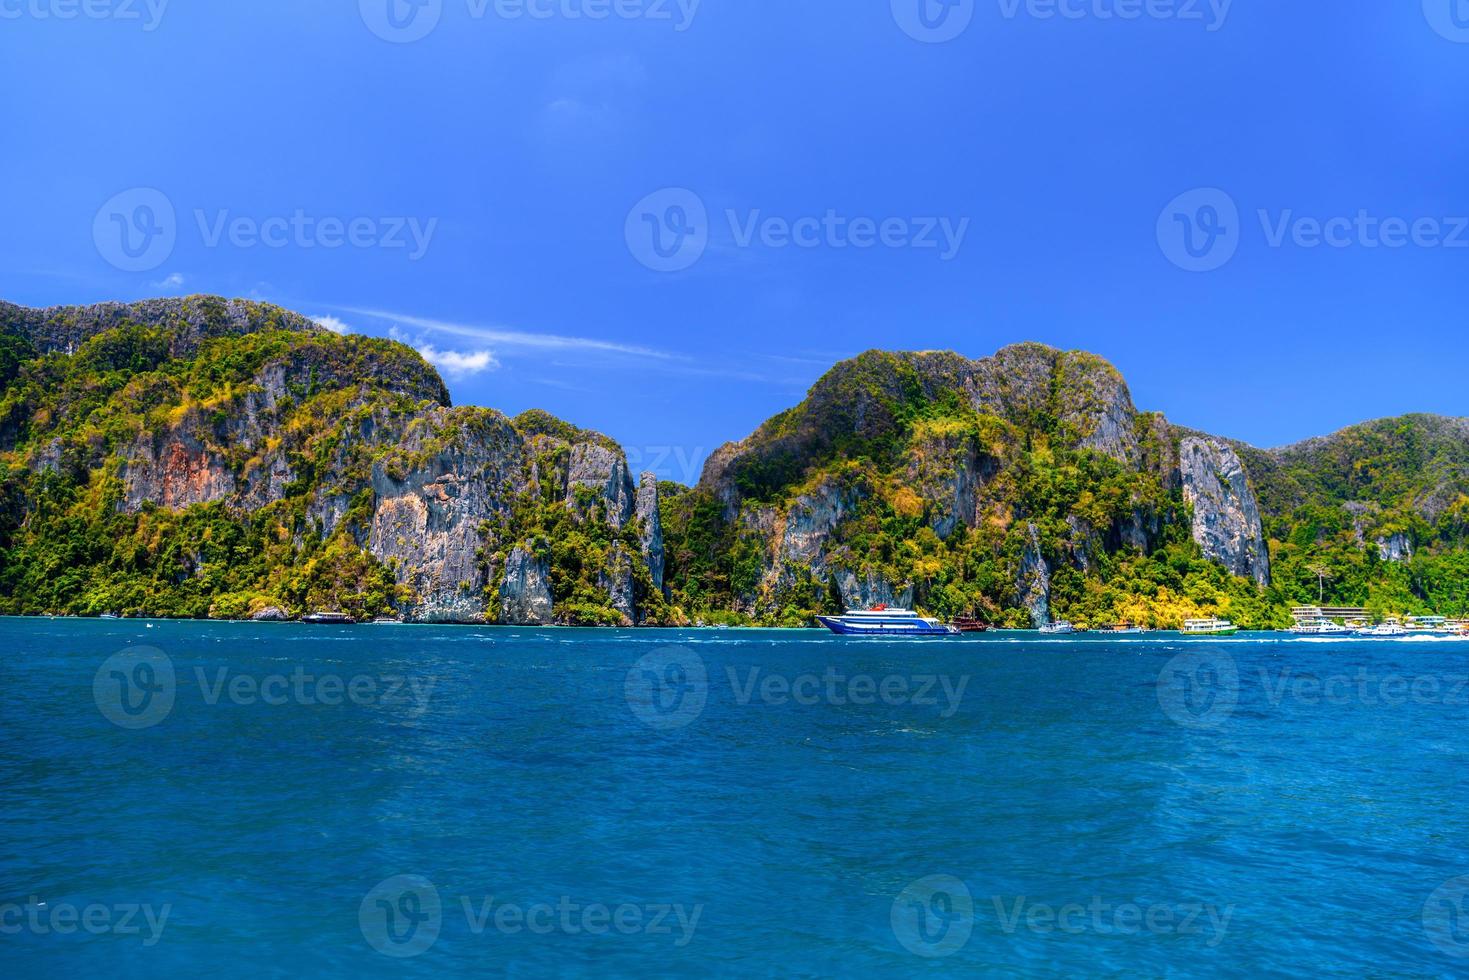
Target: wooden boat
(969, 624)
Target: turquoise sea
(231, 799)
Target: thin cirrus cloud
(511, 338)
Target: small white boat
(1058, 628)
(1209, 627)
(1388, 630)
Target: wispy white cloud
(458, 364)
(510, 338)
(332, 323)
(171, 281)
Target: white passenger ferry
(882, 621)
(1209, 627)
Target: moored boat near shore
(328, 619)
(1209, 627)
(882, 621)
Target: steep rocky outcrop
(1033, 582)
(1395, 547)
(871, 589)
(650, 527)
(341, 438)
(616, 579)
(189, 321)
(175, 470)
(603, 471)
(1226, 515)
(948, 471)
(525, 591)
(1025, 483)
(454, 470)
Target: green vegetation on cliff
(1376, 515)
(72, 541)
(204, 457)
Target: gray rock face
(1034, 580)
(949, 473)
(525, 593)
(595, 467)
(1395, 548)
(451, 607)
(650, 522)
(1086, 394)
(810, 520)
(190, 319)
(270, 614)
(1226, 515)
(617, 581)
(462, 463)
(871, 590)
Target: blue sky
(668, 221)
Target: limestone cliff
(650, 527)
(525, 591)
(1033, 580)
(321, 438)
(1226, 519)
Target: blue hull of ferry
(836, 625)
